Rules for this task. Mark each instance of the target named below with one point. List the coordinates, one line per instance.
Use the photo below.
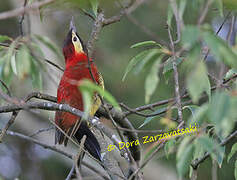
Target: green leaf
(142, 56)
(199, 115)
(94, 5)
(13, 64)
(36, 76)
(185, 160)
(184, 156)
(230, 73)
(23, 62)
(169, 15)
(147, 120)
(207, 143)
(169, 146)
(198, 82)
(199, 151)
(146, 43)
(217, 152)
(87, 100)
(219, 5)
(37, 49)
(7, 71)
(184, 143)
(150, 57)
(152, 80)
(167, 76)
(233, 151)
(4, 38)
(48, 43)
(87, 85)
(190, 36)
(236, 170)
(219, 109)
(182, 6)
(220, 49)
(192, 109)
(230, 5)
(168, 65)
(219, 155)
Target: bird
(78, 67)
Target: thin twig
(204, 12)
(176, 79)
(133, 6)
(178, 19)
(166, 101)
(78, 158)
(66, 108)
(53, 148)
(70, 173)
(97, 27)
(5, 86)
(40, 131)
(22, 19)
(217, 32)
(26, 9)
(197, 162)
(147, 160)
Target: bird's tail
(91, 144)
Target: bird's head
(73, 44)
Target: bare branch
(133, 6)
(40, 131)
(22, 19)
(63, 107)
(204, 12)
(176, 79)
(70, 173)
(78, 158)
(25, 9)
(55, 149)
(32, 140)
(97, 27)
(178, 19)
(5, 86)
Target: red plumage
(68, 92)
(77, 69)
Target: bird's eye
(75, 39)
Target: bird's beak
(72, 25)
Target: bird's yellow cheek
(76, 43)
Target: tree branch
(25, 9)
(197, 162)
(204, 12)
(66, 108)
(178, 19)
(55, 149)
(176, 79)
(133, 6)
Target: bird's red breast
(77, 69)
